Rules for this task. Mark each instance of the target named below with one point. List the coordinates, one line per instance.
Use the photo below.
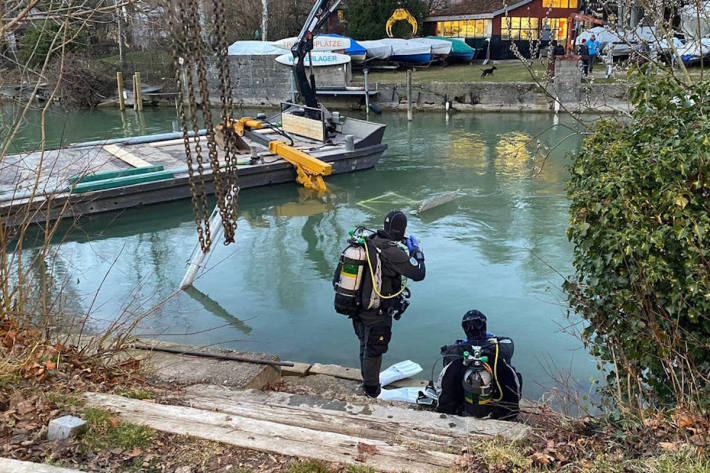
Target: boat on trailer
(400, 50)
(102, 176)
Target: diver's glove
(412, 243)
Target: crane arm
(316, 19)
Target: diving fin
(409, 395)
(402, 370)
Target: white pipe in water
(198, 256)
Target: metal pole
(119, 83)
(216, 356)
(409, 95)
(367, 92)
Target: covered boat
(253, 48)
(693, 51)
(440, 48)
(376, 49)
(402, 50)
(460, 51)
(356, 51)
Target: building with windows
(491, 26)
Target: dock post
(119, 83)
(409, 95)
(137, 96)
(367, 92)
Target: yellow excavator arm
(309, 169)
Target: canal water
(500, 248)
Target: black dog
(488, 71)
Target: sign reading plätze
(320, 43)
(320, 58)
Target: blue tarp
(355, 48)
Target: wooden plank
(126, 156)
(298, 369)
(332, 416)
(273, 437)
(400, 422)
(8, 465)
(336, 371)
(303, 126)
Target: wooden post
(135, 93)
(137, 96)
(367, 92)
(409, 95)
(119, 83)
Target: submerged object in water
(402, 370)
(437, 200)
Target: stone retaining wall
(261, 81)
(495, 97)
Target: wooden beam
(126, 156)
(398, 422)
(275, 437)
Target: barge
(95, 177)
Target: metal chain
(207, 116)
(189, 62)
(199, 196)
(183, 65)
(229, 208)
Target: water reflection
(493, 248)
(215, 308)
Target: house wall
(533, 10)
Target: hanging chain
(183, 78)
(189, 62)
(229, 209)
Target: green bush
(639, 224)
(38, 41)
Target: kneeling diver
(478, 378)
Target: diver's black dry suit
(374, 327)
(452, 394)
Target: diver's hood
(395, 225)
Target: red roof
(484, 8)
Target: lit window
(559, 3)
(520, 28)
(558, 28)
(463, 28)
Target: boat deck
(56, 196)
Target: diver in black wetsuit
(478, 378)
(374, 327)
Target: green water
(499, 248)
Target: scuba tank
(478, 381)
(353, 267)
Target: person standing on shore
(593, 47)
(381, 293)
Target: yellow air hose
(374, 285)
(495, 376)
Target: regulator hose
(495, 376)
(374, 284)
